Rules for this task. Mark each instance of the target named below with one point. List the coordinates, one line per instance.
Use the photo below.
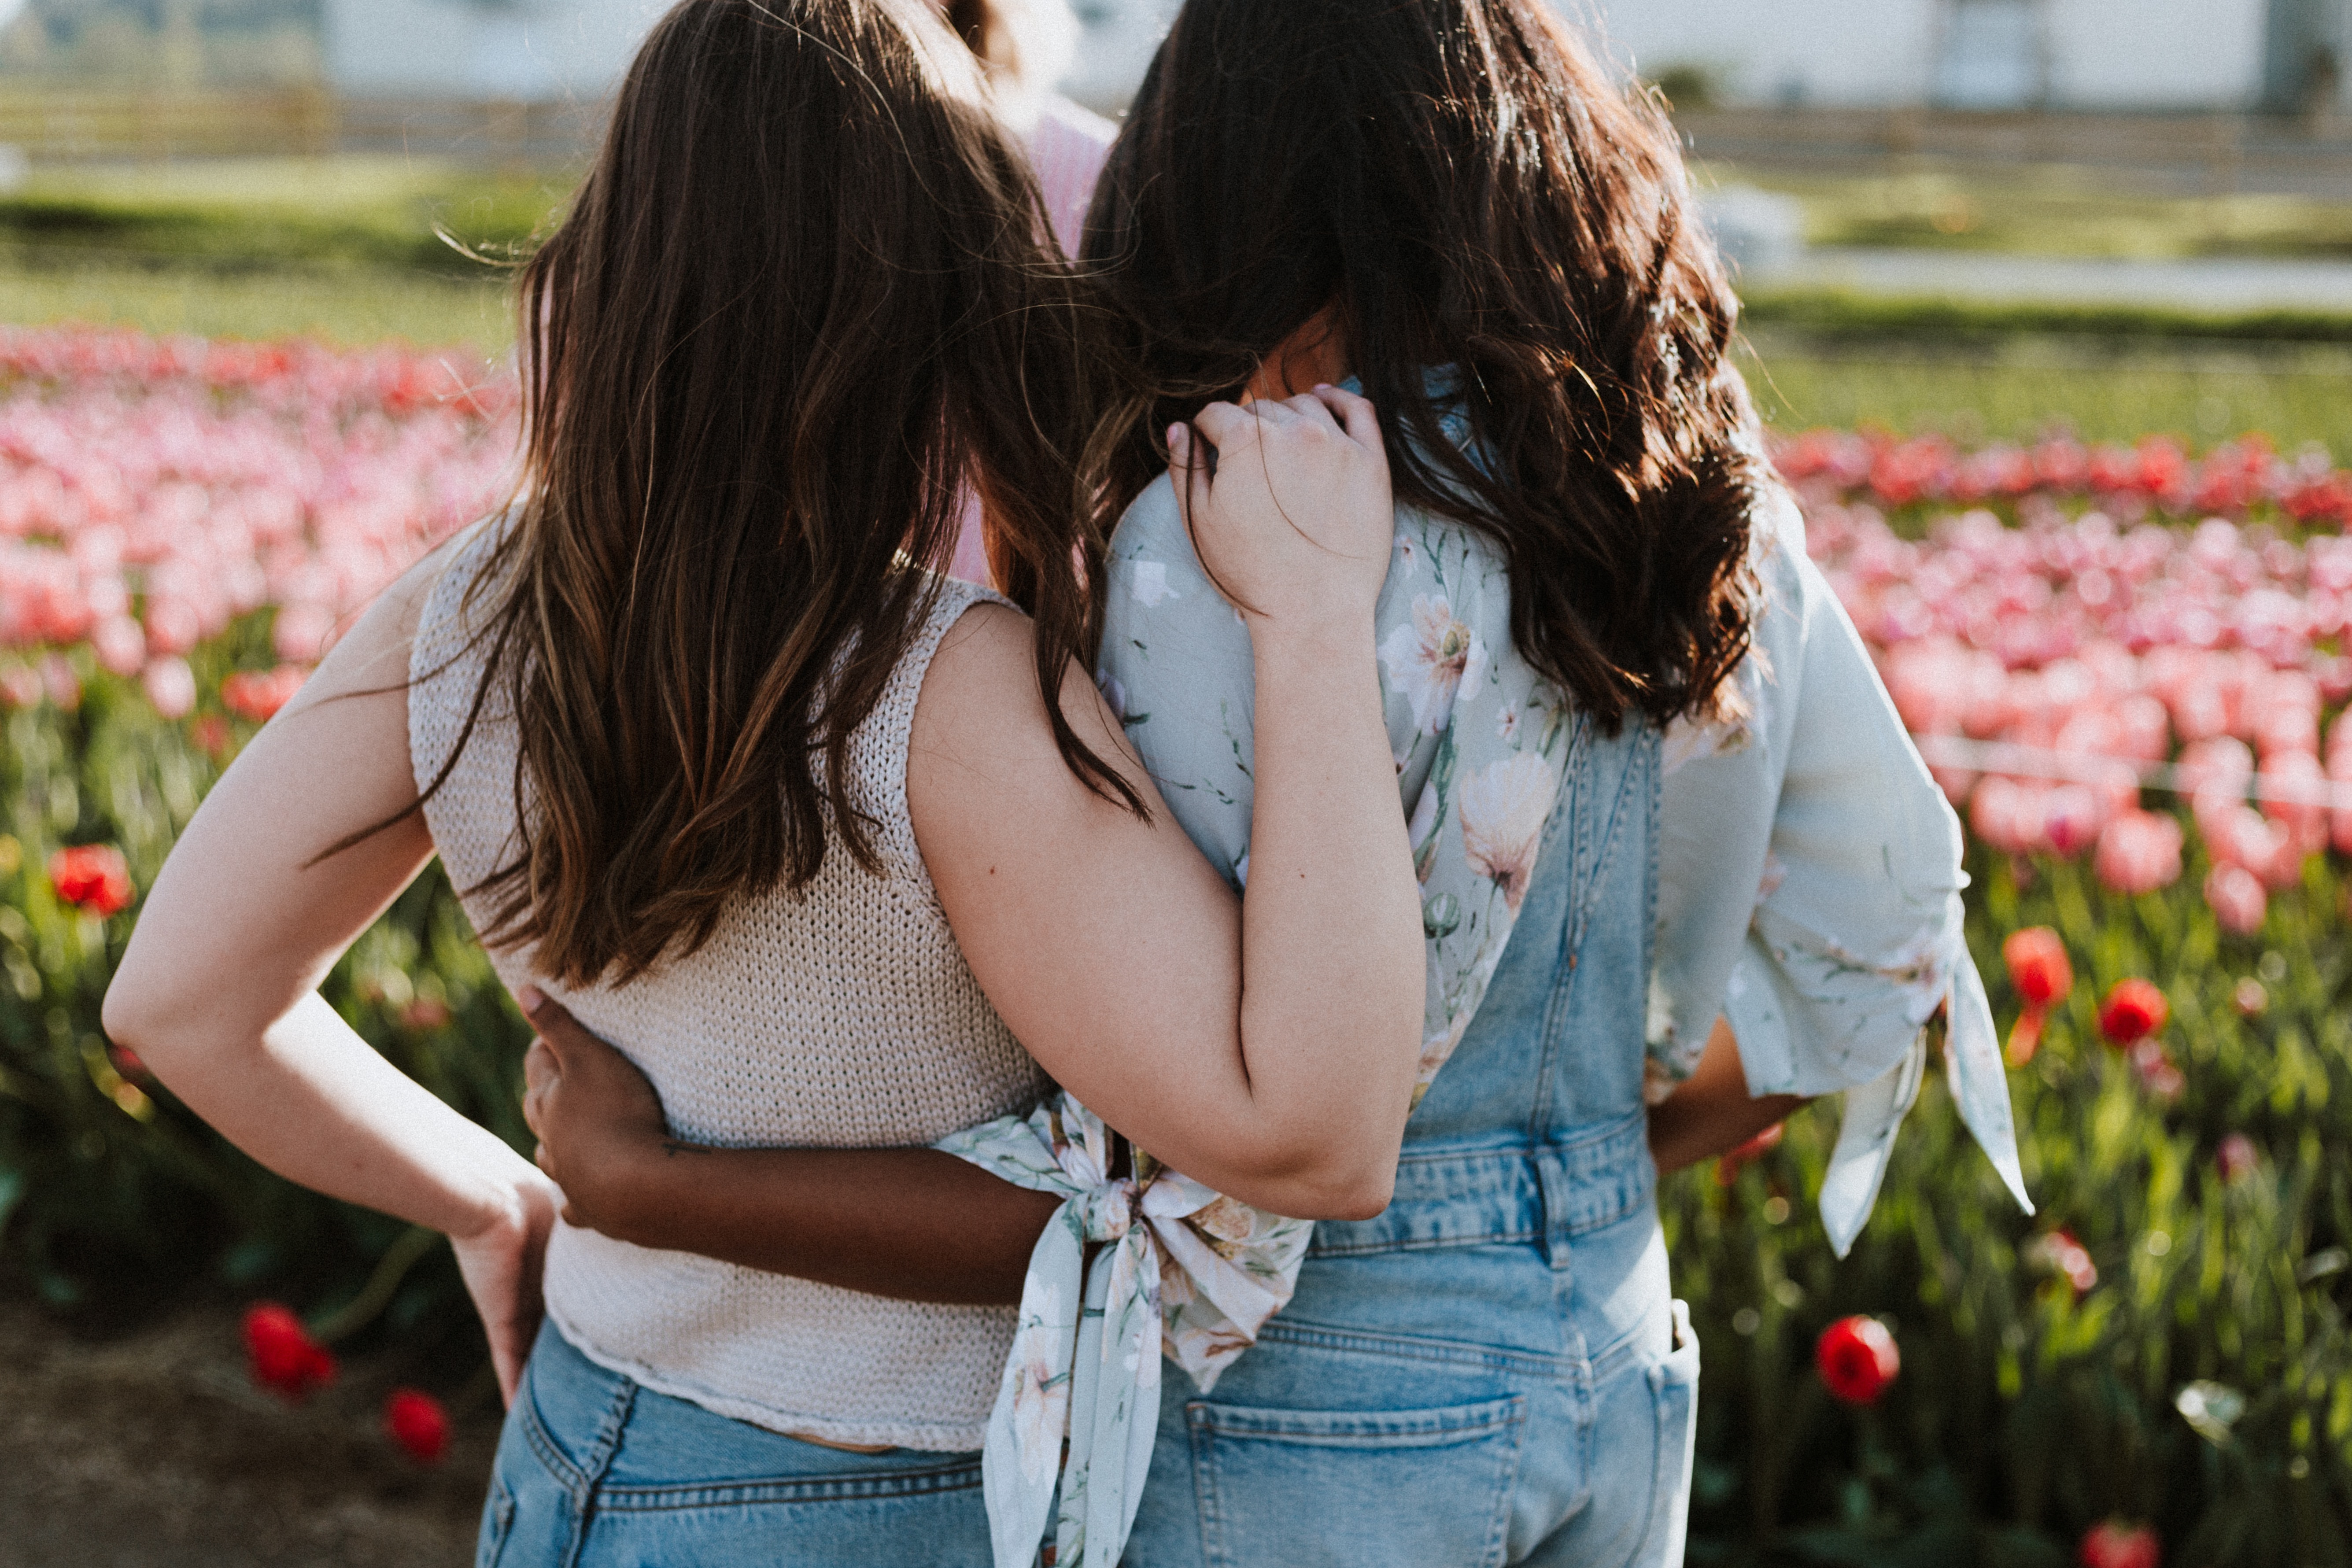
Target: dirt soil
(155, 1451)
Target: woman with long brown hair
(1679, 866)
(823, 840)
(1734, 884)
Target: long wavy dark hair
(801, 301)
(1467, 188)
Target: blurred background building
(2129, 56)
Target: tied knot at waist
(1178, 1269)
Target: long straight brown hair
(1471, 191)
(800, 303)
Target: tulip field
(2127, 664)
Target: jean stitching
(1499, 1533)
(606, 1443)
(1568, 824)
(859, 1488)
(1479, 1420)
(543, 1448)
(1204, 1489)
(1349, 1342)
(1658, 1465)
(1429, 1244)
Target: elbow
(124, 1015)
(137, 1016)
(1362, 1200)
(1340, 1185)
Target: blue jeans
(594, 1471)
(1450, 1406)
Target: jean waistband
(1546, 1193)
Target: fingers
(1356, 415)
(1228, 424)
(541, 1073)
(562, 1033)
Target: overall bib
(1494, 1370)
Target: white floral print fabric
(1181, 1271)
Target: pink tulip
(170, 686)
(2139, 852)
(2236, 1158)
(2238, 898)
(120, 646)
(2072, 817)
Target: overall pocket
(1673, 1385)
(1375, 1488)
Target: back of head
(1470, 190)
(799, 302)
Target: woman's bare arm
(912, 1224)
(217, 992)
(1267, 1044)
(1711, 1112)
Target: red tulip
(2117, 1545)
(2236, 1158)
(1857, 1359)
(418, 1424)
(1727, 1169)
(2133, 1011)
(93, 876)
(211, 734)
(282, 1356)
(256, 696)
(2038, 965)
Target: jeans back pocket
(1373, 1488)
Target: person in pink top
(1026, 46)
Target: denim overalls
(1494, 1370)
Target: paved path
(2222, 287)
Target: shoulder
(979, 693)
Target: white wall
(2100, 53)
(2156, 54)
(524, 49)
(1819, 52)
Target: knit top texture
(839, 1016)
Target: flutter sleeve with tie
(1809, 892)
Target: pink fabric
(1067, 146)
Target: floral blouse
(1809, 892)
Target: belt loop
(1551, 1186)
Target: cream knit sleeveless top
(842, 1017)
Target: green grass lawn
(349, 306)
(2103, 389)
(230, 214)
(345, 249)
(2047, 210)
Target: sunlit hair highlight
(799, 303)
